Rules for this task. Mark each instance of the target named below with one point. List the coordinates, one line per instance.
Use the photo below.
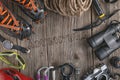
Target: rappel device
(15, 27)
(12, 74)
(7, 44)
(33, 8)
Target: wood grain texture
(55, 43)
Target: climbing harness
(5, 55)
(17, 28)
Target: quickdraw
(32, 8)
(21, 61)
(17, 28)
(12, 74)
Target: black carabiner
(66, 76)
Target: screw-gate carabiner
(46, 73)
(46, 77)
(38, 73)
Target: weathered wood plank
(54, 42)
(66, 45)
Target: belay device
(33, 8)
(12, 74)
(107, 41)
(17, 28)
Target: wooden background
(54, 42)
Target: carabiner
(38, 73)
(48, 71)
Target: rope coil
(68, 7)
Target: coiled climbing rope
(68, 7)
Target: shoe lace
(29, 4)
(7, 19)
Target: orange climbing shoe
(32, 8)
(17, 28)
